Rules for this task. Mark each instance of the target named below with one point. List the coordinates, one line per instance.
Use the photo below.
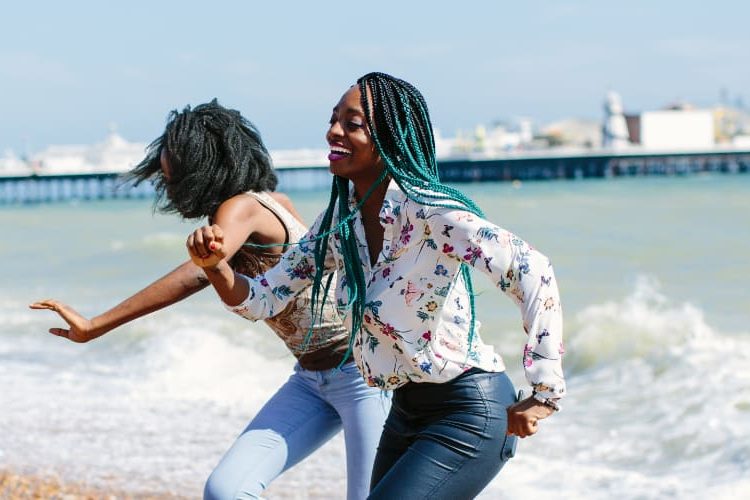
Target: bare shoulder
(245, 218)
(241, 206)
(286, 202)
(282, 199)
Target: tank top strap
(293, 228)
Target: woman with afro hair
(210, 162)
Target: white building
(485, 142)
(576, 132)
(115, 154)
(11, 165)
(615, 129)
(677, 129)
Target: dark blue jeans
(444, 440)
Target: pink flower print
(367, 318)
(472, 254)
(388, 219)
(412, 293)
(388, 330)
(264, 282)
(405, 230)
(527, 361)
(447, 248)
(302, 270)
(427, 335)
(386, 272)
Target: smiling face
(353, 154)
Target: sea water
(653, 274)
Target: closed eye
(354, 125)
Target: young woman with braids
(402, 243)
(211, 162)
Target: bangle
(548, 402)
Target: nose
(334, 131)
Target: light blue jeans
(307, 411)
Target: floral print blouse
(417, 314)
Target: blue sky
(68, 69)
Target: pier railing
(542, 166)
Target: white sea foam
(159, 401)
(659, 389)
(658, 407)
(658, 403)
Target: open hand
(524, 417)
(80, 329)
(206, 246)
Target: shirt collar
(393, 200)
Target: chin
(338, 170)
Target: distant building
(681, 129)
(299, 157)
(11, 165)
(115, 154)
(573, 132)
(633, 122)
(731, 125)
(489, 142)
(615, 133)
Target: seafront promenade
(543, 165)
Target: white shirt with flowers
(417, 314)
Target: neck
(374, 201)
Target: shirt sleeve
(269, 293)
(523, 274)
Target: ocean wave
(658, 401)
(644, 325)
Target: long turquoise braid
(401, 129)
(407, 149)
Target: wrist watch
(548, 402)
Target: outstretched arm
(173, 287)
(238, 216)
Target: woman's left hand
(524, 417)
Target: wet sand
(14, 485)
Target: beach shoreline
(15, 484)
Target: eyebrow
(349, 110)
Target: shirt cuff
(243, 308)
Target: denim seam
(288, 436)
(486, 423)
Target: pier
(546, 165)
(549, 166)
